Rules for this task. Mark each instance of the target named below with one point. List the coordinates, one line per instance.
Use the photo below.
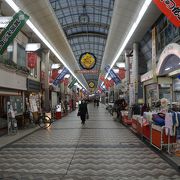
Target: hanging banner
(102, 78)
(32, 59)
(10, 32)
(102, 88)
(54, 73)
(87, 71)
(113, 75)
(72, 83)
(171, 9)
(107, 83)
(60, 76)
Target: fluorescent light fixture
(67, 76)
(120, 65)
(130, 33)
(33, 46)
(55, 66)
(13, 5)
(37, 32)
(167, 69)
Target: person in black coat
(83, 111)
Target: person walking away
(83, 111)
(94, 102)
(97, 102)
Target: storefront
(169, 66)
(12, 88)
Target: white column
(46, 78)
(135, 70)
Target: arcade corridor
(102, 149)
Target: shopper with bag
(83, 111)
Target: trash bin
(58, 112)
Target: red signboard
(171, 8)
(54, 73)
(32, 59)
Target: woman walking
(83, 111)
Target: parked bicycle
(44, 121)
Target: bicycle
(44, 121)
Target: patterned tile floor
(102, 149)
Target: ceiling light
(37, 32)
(55, 66)
(109, 78)
(67, 76)
(167, 69)
(13, 5)
(120, 65)
(33, 46)
(130, 33)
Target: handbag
(78, 114)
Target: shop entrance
(3, 115)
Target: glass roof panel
(86, 24)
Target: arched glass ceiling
(86, 24)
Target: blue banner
(113, 75)
(60, 76)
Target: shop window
(21, 55)
(7, 56)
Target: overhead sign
(171, 8)
(87, 60)
(10, 32)
(4, 20)
(87, 71)
(60, 76)
(91, 84)
(113, 75)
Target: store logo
(171, 8)
(91, 84)
(87, 60)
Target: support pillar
(135, 70)
(46, 54)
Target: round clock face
(83, 18)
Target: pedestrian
(83, 111)
(94, 102)
(97, 102)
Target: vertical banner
(12, 29)
(72, 83)
(113, 75)
(60, 76)
(32, 59)
(171, 9)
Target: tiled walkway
(102, 149)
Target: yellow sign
(87, 60)
(91, 84)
